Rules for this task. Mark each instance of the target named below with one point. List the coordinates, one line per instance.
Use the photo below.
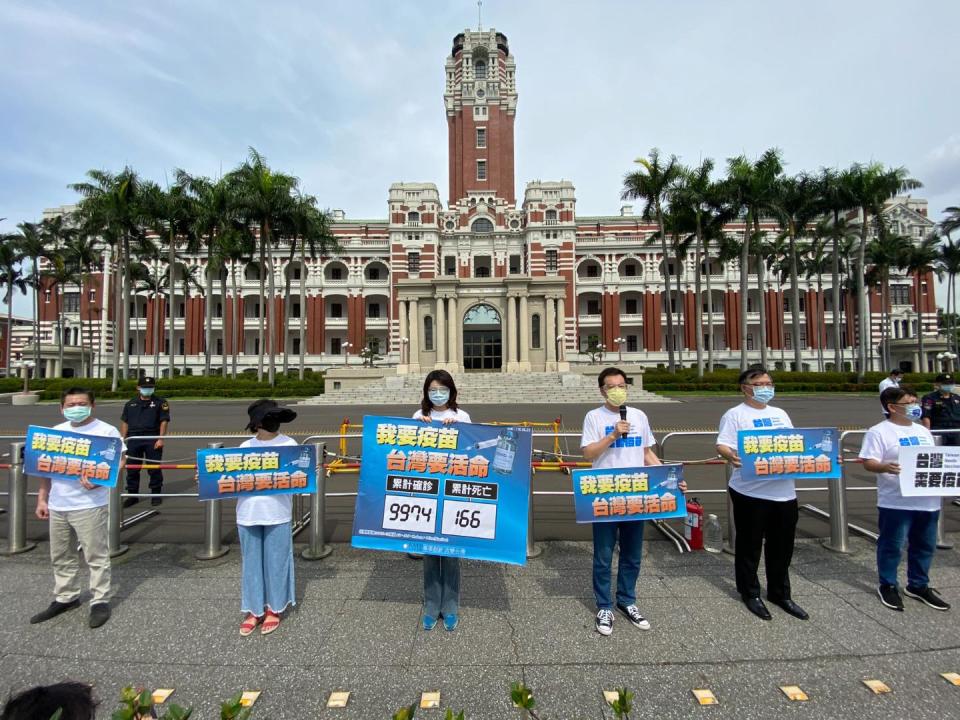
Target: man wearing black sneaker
(77, 512)
(617, 436)
(910, 519)
(149, 415)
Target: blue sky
(348, 96)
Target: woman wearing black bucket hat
(266, 541)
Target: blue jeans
(267, 568)
(628, 568)
(441, 585)
(919, 529)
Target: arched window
(252, 272)
(480, 69)
(535, 332)
(550, 218)
(482, 225)
(428, 333)
(413, 218)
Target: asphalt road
(198, 422)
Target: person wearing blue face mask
(145, 415)
(441, 575)
(765, 512)
(77, 508)
(910, 519)
(941, 410)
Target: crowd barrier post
(837, 505)
(213, 547)
(942, 542)
(17, 498)
(731, 546)
(533, 550)
(115, 519)
(316, 549)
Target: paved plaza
(356, 626)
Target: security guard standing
(941, 409)
(146, 414)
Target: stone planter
(25, 398)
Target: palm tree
(215, 214)
(871, 186)
(796, 203)
(816, 260)
(776, 254)
(749, 189)
(187, 275)
(653, 184)
(264, 197)
(33, 246)
(61, 273)
(836, 197)
(921, 260)
(111, 208)
(952, 221)
(887, 253)
(236, 246)
(84, 254)
(12, 278)
(949, 264)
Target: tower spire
(479, 15)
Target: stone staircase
(481, 389)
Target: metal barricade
(17, 498)
(316, 548)
(213, 547)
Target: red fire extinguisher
(693, 527)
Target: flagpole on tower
(479, 15)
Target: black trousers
(768, 526)
(137, 448)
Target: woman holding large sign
(441, 575)
(913, 519)
(765, 512)
(263, 523)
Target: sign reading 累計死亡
(789, 453)
(929, 470)
(637, 493)
(243, 472)
(66, 455)
(459, 490)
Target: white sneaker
(605, 622)
(634, 616)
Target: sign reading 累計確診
(459, 490)
(926, 470)
(66, 455)
(265, 470)
(638, 493)
(789, 453)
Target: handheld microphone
(623, 416)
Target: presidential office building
(487, 281)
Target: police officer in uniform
(941, 410)
(146, 414)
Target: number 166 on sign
(467, 519)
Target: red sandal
(249, 625)
(270, 623)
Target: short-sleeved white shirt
(882, 443)
(265, 509)
(625, 451)
(744, 417)
(441, 415)
(888, 383)
(67, 495)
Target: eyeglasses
(903, 404)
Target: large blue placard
(264, 470)
(789, 453)
(459, 490)
(637, 493)
(67, 455)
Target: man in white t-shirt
(78, 506)
(910, 519)
(892, 380)
(765, 512)
(611, 442)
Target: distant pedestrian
(147, 414)
(266, 535)
(441, 574)
(892, 380)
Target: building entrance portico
(482, 339)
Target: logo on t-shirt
(767, 422)
(914, 440)
(635, 441)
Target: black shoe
(890, 596)
(130, 502)
(99, 614)
(791, 608)
(756, 606)
(156, 500)
(927, 596)
(53, 609)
